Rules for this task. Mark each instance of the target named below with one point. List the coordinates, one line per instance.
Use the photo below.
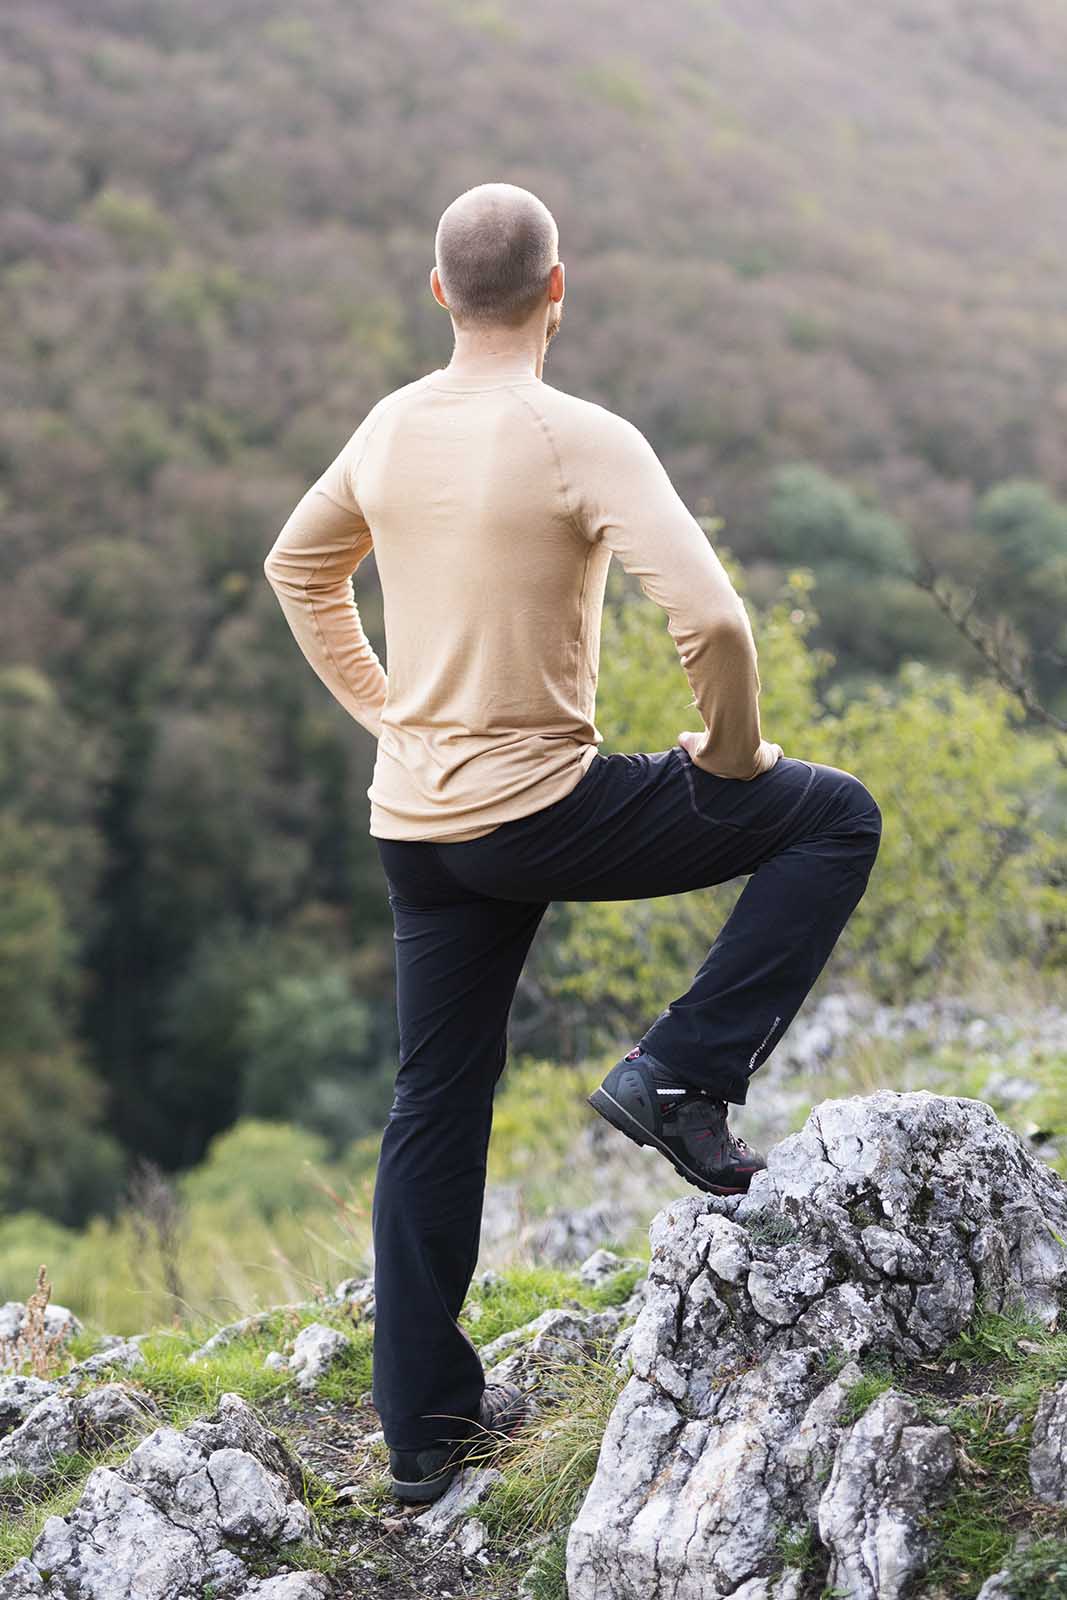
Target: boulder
(176, 1517)
(876, 1228)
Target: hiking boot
(424, 1475)
(647, 1102)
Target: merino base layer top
(493, 506)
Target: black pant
(465, 913)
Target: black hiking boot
(645, 1100)
(424, 1475)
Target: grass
(992, 1503)
(523, 1292)
(546, 1576)
(877, 1377)
(549, 1464)
(1040, 1571)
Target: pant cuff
(729, 1086)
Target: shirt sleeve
(310, 567)
(624, 496)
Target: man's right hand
(768, 754)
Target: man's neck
(497, 361)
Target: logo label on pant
(754, 1058)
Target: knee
(863, 812)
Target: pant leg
(458, 959)
(643, 826)
(773, 945)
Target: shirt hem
(477, 831)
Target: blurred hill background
(813, 251)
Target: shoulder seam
(387, 403)
(546, 429)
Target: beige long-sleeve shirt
(493, 507)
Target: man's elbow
(272, 570)
(725, 636)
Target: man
(494, 503)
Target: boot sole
(425, 1490)
(620, 1119)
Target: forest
(814, 253)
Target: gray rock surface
(998, 1587)
(315, 1350)
(1048, 1447)
(168, 1520)
(467, 1489)
(877, 1227)
(604, 1264)
(59, 1425)
(250, 1324)
(888, 1471)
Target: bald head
(496, 245)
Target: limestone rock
(525, 1356)
(357, 1294)
(125, 1354)
(243, 1325)
(603, 1264)
(1048, 1447)
(315, 1350)
(467, 1489)
(888, 1471)
(58, 1320)
(18, 1396)
(60, 1425)
(878, 1226)
(289, 1586)
(165, 1523)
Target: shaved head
(496, 245)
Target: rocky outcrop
(59, 1425)
(177, 1518)
(880, 1226)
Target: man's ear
(557, 281)
(436, 289)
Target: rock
(290, 1586)
(888, 1471)
(18, 1396)
(1048, 1447)
(526, 1356)
(59, 1425)
(164, 1524)
(559, 1333)
(878, 1227)
(603, 1264)
(472, 1537)
(125, 1354)
(315, 1350)
(808, 1453)
(357, 1294)
(998, 1587)
(106, 1413)
(688, 1503)
(244, 1325)
(21, 1582)
(466, 1490)
(565, 1237)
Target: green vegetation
(876, 1379)
(549, 1464)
